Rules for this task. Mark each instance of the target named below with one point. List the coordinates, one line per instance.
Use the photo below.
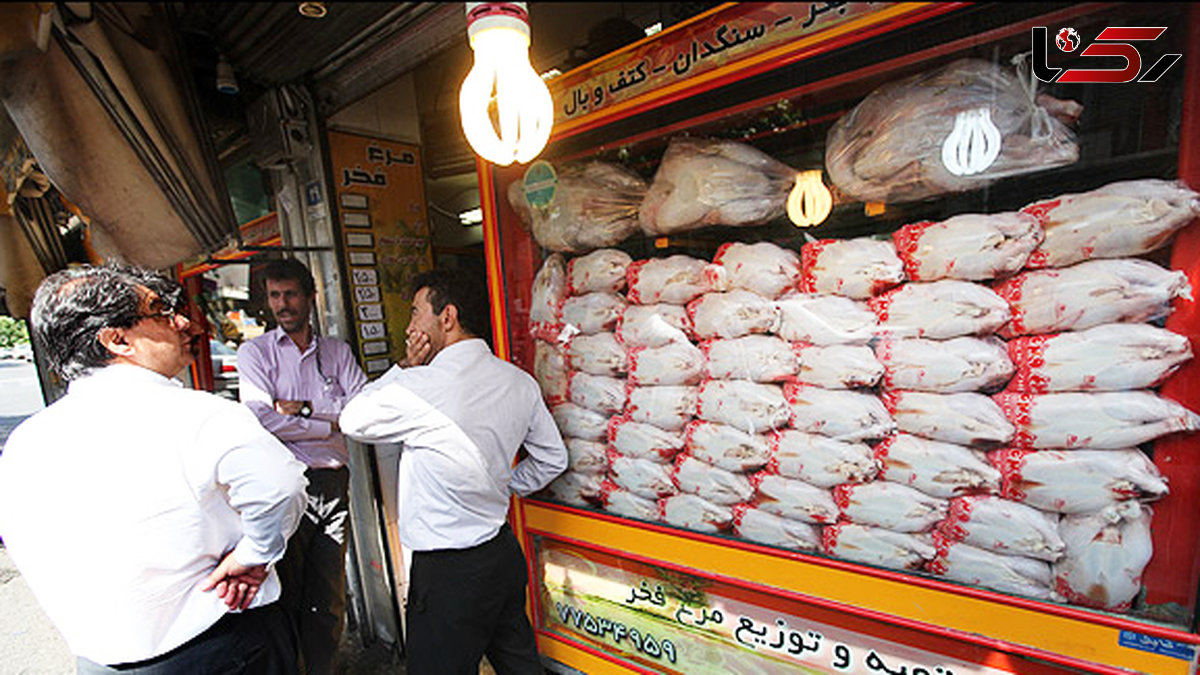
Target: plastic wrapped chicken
(644, 441)
(600, 271)
(1100, 421)
(579, 422)
(877, 546)
(727, 447)
(1106, 555)
(642, 477)
(759, 526)
(764, 268)
(1077, 481)
(758, 358)
(715, 484)
(586, 456)
(1089, 294)
(938, 469)
(964, 418)
(668, 407)
(940, 310)
(1003, 526)
(550, 370)
(837, 366)
(825, 320)
(594, 205)
(732, 314)
(579, 489)
(547, 297)
(592, 313)
(749, 406)
(891, 506)
(704, 182)
(597, 392)
(598, 354)
(793, 499)
(970, 246)
(820, 460)
(672, 363)
(1005, 573)
(654, 325)
(622, 502)
(1110, 357)
(854, 268)
(889, 147)
(840, 414)
(944, 366)
(1121, 219)
(675, 280)
(695, 513)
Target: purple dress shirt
(271, 368)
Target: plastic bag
(595, 205)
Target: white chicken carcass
(763, 268)
(653, 325)
(1077, 481)
(1013, 574)
(1106, 555)
(594, 205)
(598, 354)
(727, 447)
(750, 406)
(891, 506)
(938, 469)
(617, 500)
(837, 366)
(964, 418)
(1126, 218)
(758, 358)
(877, 546)
(940, 310)
(825, 320)
(854, 268)
(704, 182)
(793, 499)
(970, 246)
(585, 456)
(601, 271)
(1109, 357)
(1003, 526)
(644, 441)
(1100, 421)
(820, 460)
(675, 280)
(715, 484)
(944, 366)
(1091, 293)
(642, 477)
(695, 513)
(597, 392)
(578, 489)
(592, 313)
(836, 413)
(579, 422)
(668, 407)
(761, 527)
(672, 363)
(732, 314)
(550, 370)
(547, 295)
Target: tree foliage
(13, 332)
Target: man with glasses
(296, 382)
(146, 517)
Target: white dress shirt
(460, 421)
(118, 500)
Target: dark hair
(290, 269)
(464, 291)
(71, 307)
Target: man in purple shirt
(296, 383)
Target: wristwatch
(305, 409)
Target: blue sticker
(541, 183)
(1157, 645)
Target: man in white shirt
(460, 420)
(140, 512)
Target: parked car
(224, 365)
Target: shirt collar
(119, 373)
(462, 349)
(281, 339)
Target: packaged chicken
(1109, 357)
(585, 456)
(668, 407)
(654, 325)
(837, 366)
(944, 366)
(547, 297)
(749, 406)
(1003, 526)
(1089, 294)
(1077, 481)
(673, 363)
(600, 271)
(622, 502)
(715, 484)
(597, 392)
(644, 441)
(1121, 219)
(1004, 573)
(593, 205)
(763, 268)
(754, 524)
(732, 314)
(578, 489)
(940, 310)
(890, 147)
(704, 182)
(642, 477)
(793, 499)
(1099, 421)
(758, 358)
(877, 546)
(820, 460)
(854, 268)
(598, 354)
(825, 320)
(844, 415)
(727, 447)
(675, 280)
(550, 370)
(592, 313)
(891, 506)
(575, 420)
(964, 418)
(695, 513)
(938, 469)
(971, 246)
(1106, 555)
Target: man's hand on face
(288, 407)
(419, 350)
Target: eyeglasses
(160, 311)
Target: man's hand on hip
(236, 584)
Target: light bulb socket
(313, 10)
(484, 15)
(226, 81)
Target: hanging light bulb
(810, 202)
(505, 107)
(973, 144)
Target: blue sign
(1157, 645)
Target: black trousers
(313, 570)
(259, 641)
(465, 603)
